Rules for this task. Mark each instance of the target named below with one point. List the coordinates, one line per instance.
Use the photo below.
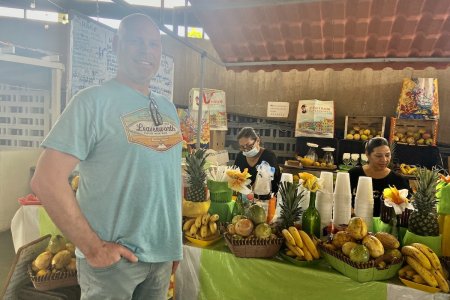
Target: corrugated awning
(301, 34)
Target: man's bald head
(134, 21)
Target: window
(12, 12)
(40, 15)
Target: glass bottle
(311, 217)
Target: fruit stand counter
(215, 273)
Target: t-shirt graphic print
(140, 129)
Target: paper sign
(315, 118)
(278, 109)
(215, 103)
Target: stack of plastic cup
(324, 199)
(285, 177)
(364, 200)
(342, 206)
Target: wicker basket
(256, 248)
(361, 272)
(387, 212)
(53, 281)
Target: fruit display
(300, 245)
(203, 227)
(420, 137)
(290, 209)
(407, 169)
(423, 220)
(413, 132)
(358, 133)
(195, 200)
(250, 236)
(363, 249)
(58, 257)
(196, 176)
(423, 267)
(252, 226)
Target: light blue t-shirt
(130, 170)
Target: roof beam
(340, 61)
(226, 4)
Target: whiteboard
(92, 61)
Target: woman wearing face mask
(252, 154)
(379, 155)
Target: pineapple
(423, 220)
(196, 179)
(291, 210)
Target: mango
(61, 259)
(43, 260)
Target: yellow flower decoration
(310, 182)
(238, 181)
(396, 199)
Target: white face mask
(252, 152)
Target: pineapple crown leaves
(424, 199)
(291, 210)
(195, 163)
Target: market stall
(215, 273)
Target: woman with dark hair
(378, 155)
(252, 154)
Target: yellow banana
(290, 253)
(418, 279)
(187, 225)
(442, 282)
(309, 244)
(193, 229)
(426, 274)
(296, 250)
(198, 221)
(429, 253)
(410, 273)
(205, 219)
(288, 236)
(213, 227)
(294, 232)
(418, 255)
(412, 170)
(308, 255)
(214, 218)
(204, 231)
(402, 271)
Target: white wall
(14, 180)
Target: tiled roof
(322, 34)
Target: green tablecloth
(215, 273)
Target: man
(126, 217)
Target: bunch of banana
(300, 245)
(423, 266)
(407, 169)
(203, 227)
(56, 258)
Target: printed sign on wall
(278, 109)
(315, 118)
(214, 102)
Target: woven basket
(53, 281)
(361, 272)
(387, 212)
(256, 248)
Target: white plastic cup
(342, 186)
(288, 177)
(327, 181)
(364, 190)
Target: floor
(6, 256)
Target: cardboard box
(217, 140)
